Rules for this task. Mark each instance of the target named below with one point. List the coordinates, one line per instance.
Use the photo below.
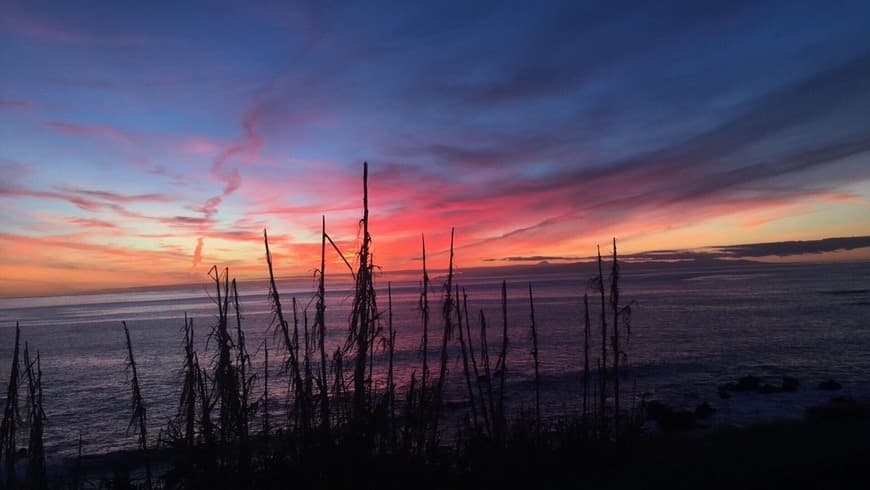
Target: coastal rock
(748, 383)
(669, 419)
(789, 384)
(656, 410)
(704, 411)
(767, 389)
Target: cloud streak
(197, 252)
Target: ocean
(693, 328)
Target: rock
(669, 419)
(767, 389)
(656, 410)
(704, 411)
(830, 385)
(789, 384)
(748, 383)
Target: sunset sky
(142, 142)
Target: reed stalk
(301, 413)
(187, 403)
(290, 344)
(309, 374)
(614, 306)
(534, 332)
(501, 365)
(391, 383)
(602, 389)
(465, 366)
(411, 429)
(361, 318)
(243, 364)
(320, 326)
(138, 417)
(35, 474)
(205, 405)
(267, 426)
(477, 377)
(447, 316)
(225, 377)
(338, 391)
(487, 373)
(422, 404)
(9, 426)
(424, 313)
(586, 338)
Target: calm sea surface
(692, 330)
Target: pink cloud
(78, 201)
(199, 145)
(116, 197)
(197, 252)
(247, 151)
(101, 131)
(91, 223)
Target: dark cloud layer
(786, 249)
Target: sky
(143, 142)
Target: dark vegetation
(346, 425)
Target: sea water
(693, 328)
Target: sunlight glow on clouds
(140, 146)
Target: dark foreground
(827, 449)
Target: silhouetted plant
(421, 414)
(291, 364)
(363, 314)
(9, 426)
(391, 382)
(35, 475)
(586, 338)
(602, 369)
(182, 429)
(205, 406)
(244, 384)
(501, 367)
(487, 376)
(267, 426)
(138, 415)
(225, 378)
(465, 366)
(447, 308)
(614, 306)
(534, 333)
(320, 328)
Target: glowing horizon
(139, 148)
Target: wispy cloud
(197, 252)
(91, 223)
(791, 248)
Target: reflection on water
(692, 330)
